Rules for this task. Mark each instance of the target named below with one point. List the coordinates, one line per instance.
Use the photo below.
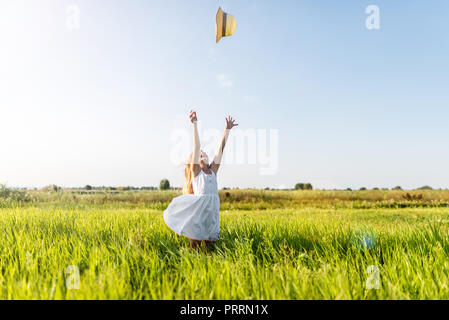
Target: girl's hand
(193, 117)
(230, 123)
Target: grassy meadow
(275, 245)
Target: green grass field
(275, 245)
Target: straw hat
(226, 24)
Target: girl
(195, 214)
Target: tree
(164, 185)
(299, 186)
(363, 189)
(88, 187)
(303, 186)
(52, 188)
(425, 188)
(397, 188)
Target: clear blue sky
(99, 104)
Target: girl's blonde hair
(188, 186)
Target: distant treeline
(165, 185)
(55, 188)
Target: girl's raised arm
(196, 168)
(230, 123)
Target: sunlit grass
(296, 253)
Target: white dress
(197, 216)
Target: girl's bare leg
(208, 244)
(194, 244)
